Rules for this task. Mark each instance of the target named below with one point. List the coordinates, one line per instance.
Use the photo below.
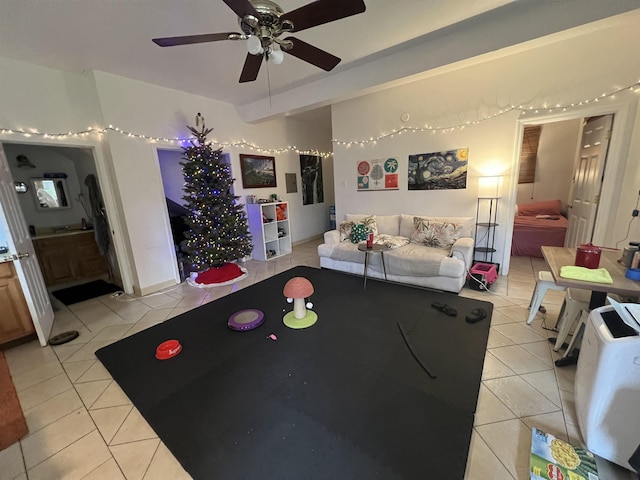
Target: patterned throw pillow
(370, 223)
(346, 227)
(345, 231)
(435, 234)
(359, 233)
(390, 241)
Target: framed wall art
(377, 174)
(312, 184)
(258, 171)
(438, 170)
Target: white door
(20, 246)
(587, 180)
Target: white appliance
(607, 383)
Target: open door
(23, 253)
(587, 180)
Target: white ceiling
(377, 47)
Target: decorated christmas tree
(218, 232)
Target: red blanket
(531, 233)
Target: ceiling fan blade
(311, 54)
(251, 68)
(189, 39)
(242, 8)
(322, 11)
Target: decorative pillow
(547, 207)
(359, 233)
(435, 234)
(390, 241)
(370, 223)
(345, 231)
(347, 226)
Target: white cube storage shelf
(271, 234)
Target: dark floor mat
(344, 399)
(86, 291)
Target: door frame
(156, 156)
(623, 111)
(107, 188)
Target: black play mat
(343, 399)
(85, 291)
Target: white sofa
(413, 263)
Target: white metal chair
(575, 302)
(545, 282)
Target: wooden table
(558, 257)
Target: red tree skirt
(224, 275)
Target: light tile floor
(82, 426)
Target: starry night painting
(439, 170)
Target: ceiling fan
(263, 22)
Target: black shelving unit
(485, 245)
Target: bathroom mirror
(50, 193)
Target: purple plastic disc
(247, 319)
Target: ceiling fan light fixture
(263, 22)
(276, 55)
(254, 45)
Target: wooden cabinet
(270, 230)
(15, 320)
(69, 257)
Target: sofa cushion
(388, 224)
(435, 234)
(415, 260)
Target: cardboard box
(555, 459)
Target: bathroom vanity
(68, 256)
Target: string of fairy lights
(524, 110)
(242, 144)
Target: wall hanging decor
(258, 171)
(312, 184)
(438, 170)
(378, 174)
(291, 182)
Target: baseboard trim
(141, 292)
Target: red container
(588, 256)
(370, 240)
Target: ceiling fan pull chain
(268, 78)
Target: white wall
(462, 95)
(161, 112)
(554, 166)
(46, 160)
(50, 100)
(360, 118)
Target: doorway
(68, 216)
(568, 165)
(604, 225)
(172, 176)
